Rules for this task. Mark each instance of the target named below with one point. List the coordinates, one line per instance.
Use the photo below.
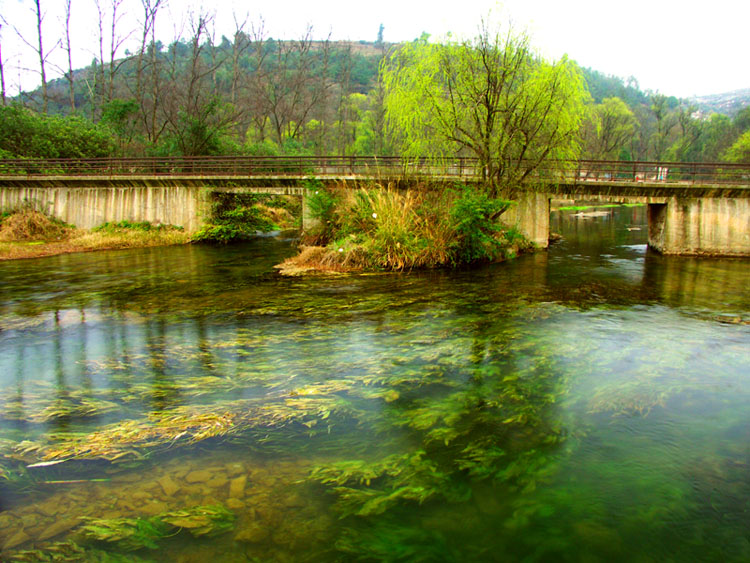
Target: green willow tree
(609, 127)
(740, 151)
(489, 97)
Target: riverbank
(89, 242)
(30, 234)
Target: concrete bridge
(693, 208)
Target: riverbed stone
(294, 500)
(209, 500)
(58, 528)
(237, 486)
(30, 520)
(168, 485)
(6, 521)
(153, 508)
(200, 476)
(254, 532)
(218, 481)
(16, 539)
(234, 469)
(235, 504)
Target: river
(585, 403)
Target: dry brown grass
(31, 225)
(21, 245)
(318, 259)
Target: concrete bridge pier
(706, 225)
(308, 221)
(530, 215)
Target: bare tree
(106, 84)
(40, 51)
(240, 45)
(296, 85)
(2, 68)
(38, 47)
(147, 60)
(194, 111)
(68, 50)
(150, 10)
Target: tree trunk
(40, 52)
(2, 71)
(69, 75)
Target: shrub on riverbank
(29, 224)
(390, 229)
(236, 217)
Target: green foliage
(609, 127)
(121, 116)
(234, 217)
(127, 534)
(397, 230)
(322, 205)
(740, 150)
(489, 97)
(24, 133)
(145, 226)
(367, 489)
(473, 217)
(131, 534)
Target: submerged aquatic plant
(132, 534)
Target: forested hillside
(250, 94)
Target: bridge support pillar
(530, 215)
(706, 225)
(308, 221)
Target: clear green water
(589, 403)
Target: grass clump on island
(383, 228)
(27, 232)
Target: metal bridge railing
(568, 172)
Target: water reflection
(576, 403)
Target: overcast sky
(667, 45)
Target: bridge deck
(584, 177)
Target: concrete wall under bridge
(678, 224)
(700, 226)
(88, 207)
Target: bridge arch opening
(657, 220)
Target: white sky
(678, 47)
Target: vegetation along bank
(490, 97)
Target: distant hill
(728, 103)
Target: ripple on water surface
(586, 403)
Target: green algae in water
(560, 407)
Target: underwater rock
(200, 476)
(58, 528)
(16, 539)
(168, 485)
(30, 520)
(218, 481)
(234, 469)
(252, 533)
(237, 486)
(49, 508)
(7, 521)
(235, 504)
(153, 508)
(294, 501)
